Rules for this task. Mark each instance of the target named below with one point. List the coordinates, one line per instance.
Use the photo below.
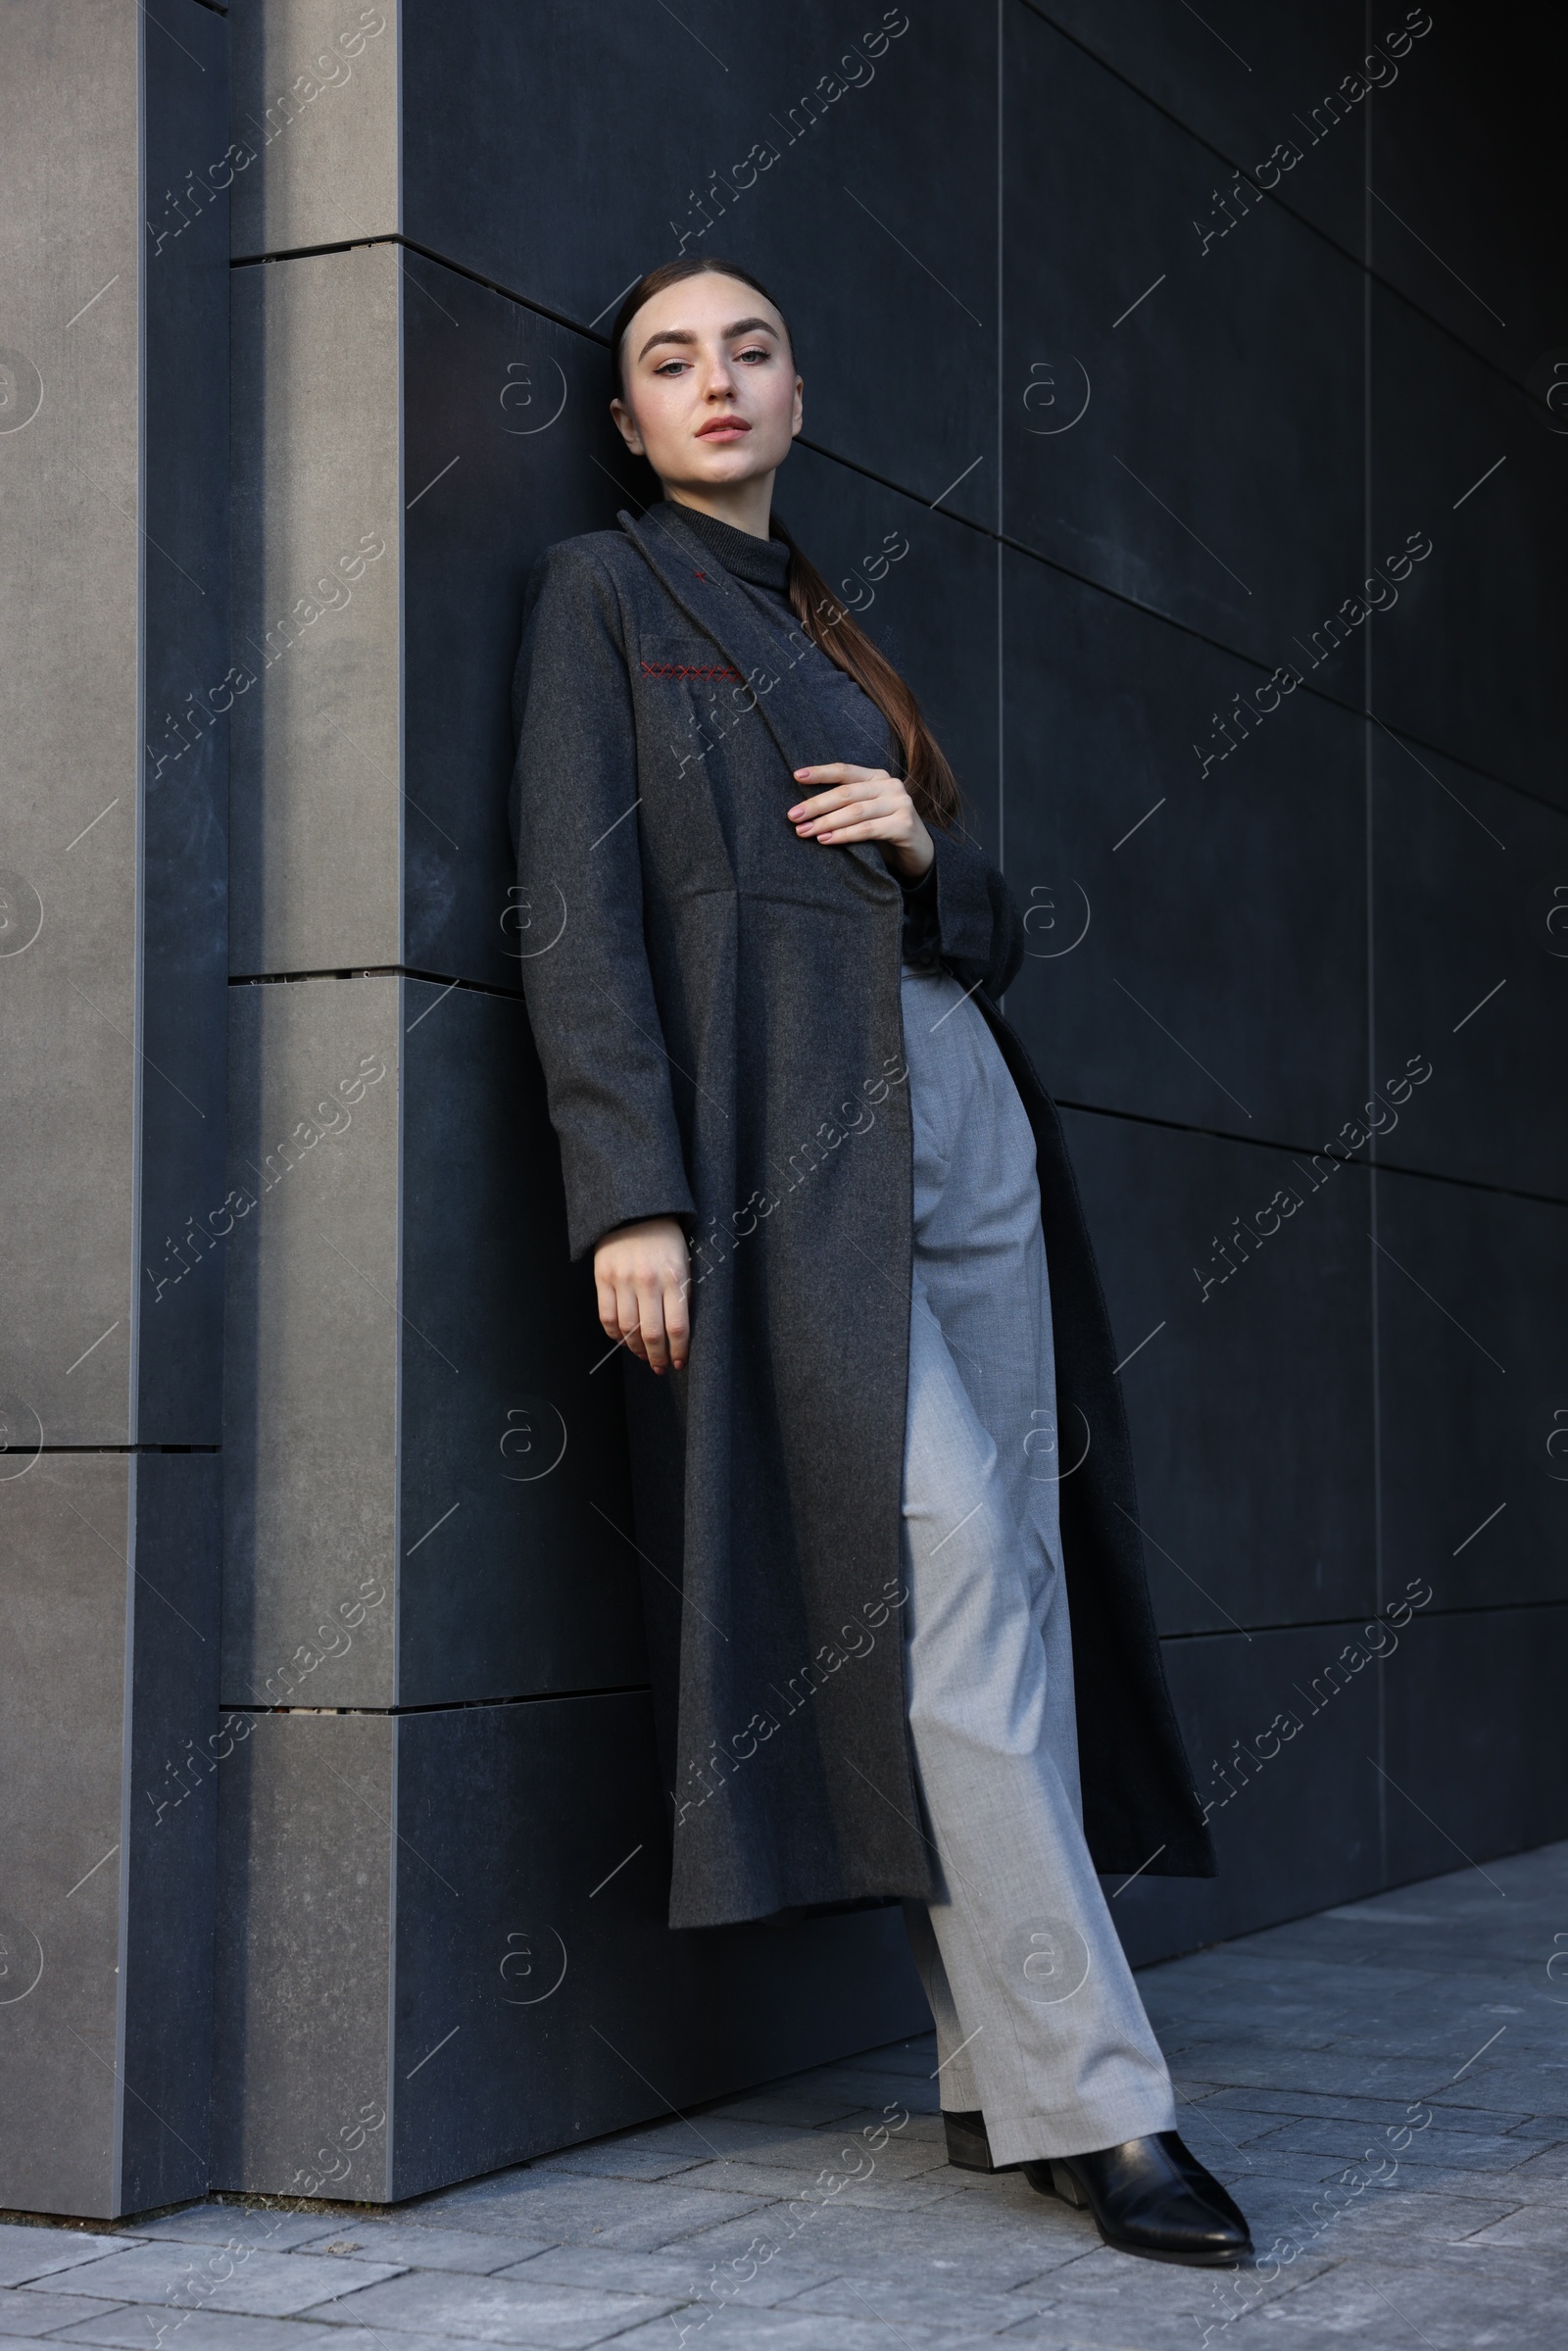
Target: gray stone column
(113, 922)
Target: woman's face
(711, 394)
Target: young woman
(820, 1185)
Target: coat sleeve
(585, 972)
(970, 917)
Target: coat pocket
(676, 662)
(697, 713)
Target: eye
(755, 351)
(669, 366)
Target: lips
(724, 428)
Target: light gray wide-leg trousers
(1038, 2023)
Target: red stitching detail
(689, 669)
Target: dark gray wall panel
(571, 2007)
(1214, 467)
(184, 853)
(171, 1829)
(1470, 661)
(1461, 861)
(910, 223)
(512, 1577)
(1246, 81)
(1251, 1409)
(1474, 1386)
(1462, 156)
(106, 1967)
(1477, 1745)
(1279, 1729)
(1205, 960)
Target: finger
(882, 810)
(834, 771)
(677, 1320)
(842, 796)
(629, 1318)
(650, 1317)
(841, 774)
(608, 1315)
(875, 829)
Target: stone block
(313, 126)
(108, 1867)
(116, 610)
(318, 508)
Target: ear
(626, 427)
(799, 411)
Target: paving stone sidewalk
(1383, 2086)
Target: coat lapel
(720, 610)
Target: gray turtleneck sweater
(854, 725)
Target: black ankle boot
(1203, 2184)
(1149, 2196)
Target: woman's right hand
(643, 1275)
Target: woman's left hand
(864, 803)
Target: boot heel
(1066, 2187)
(967, 2144)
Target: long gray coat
(716, 1007)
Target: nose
(720, 379)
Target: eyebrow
(727, 334)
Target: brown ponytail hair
(825, 619)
